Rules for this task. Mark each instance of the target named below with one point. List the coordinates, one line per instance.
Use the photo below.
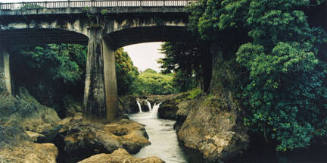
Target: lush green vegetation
(52, 73)
(126, 72)
(150, 82)
(190, 63)
(283, 78)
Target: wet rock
(182, 112)
(34, 135)
(168, 110)
(128, 105)
(29, 152)
(212, 127)
(81, 138)
(119, 156)
(27, 113)
(22, 122)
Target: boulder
(27, 113)
(119, 156)
(128, 105)
(29, 152)
(168, 110)
(24, 121)
(212, 127)
(80, 138)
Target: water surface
(163, 138)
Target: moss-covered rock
(26, 112)
(128, 105)
(29, 152)
(119, 156)
(168, 110)
(80, 138)
(212, 127)
(23, 121)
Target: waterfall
(155, 110)
(139, 105)
(149, 105)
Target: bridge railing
(93, 3)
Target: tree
(283, 80)
(51, 73)
(150, 82)
(190, 62)
(126, 72)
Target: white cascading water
(139, 105)
(155, 110)
(149, 105)
(163, 138)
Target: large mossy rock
(24, 121)
(128, 105)
(80, 138)
(119, 156)
(168, 110)
(26, 112)
(212, 127)
(29, 152)
(17, 147)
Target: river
(163, 138)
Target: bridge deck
(23, 6)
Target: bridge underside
(31, 37)
(147, 34)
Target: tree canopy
(150, 82)
(283, 90)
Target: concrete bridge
(104, 25)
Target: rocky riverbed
(37, 134)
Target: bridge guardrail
(92, 3)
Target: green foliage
(192, 94)
(285, 89)
(150, 82)
(55, 74)
(126, 72)
(51, 72)
(189, 61)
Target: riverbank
(206, 126)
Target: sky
(145, 55)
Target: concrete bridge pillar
(100, 94)
(5, 78)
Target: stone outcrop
(27, 114)
(128, 105)
(119, 156)
(24, 121)
(79, 138)
(168, 110)
(212, 127)
(29, 152)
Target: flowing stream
(163, 138)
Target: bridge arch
(103, 25)
(137, 35)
